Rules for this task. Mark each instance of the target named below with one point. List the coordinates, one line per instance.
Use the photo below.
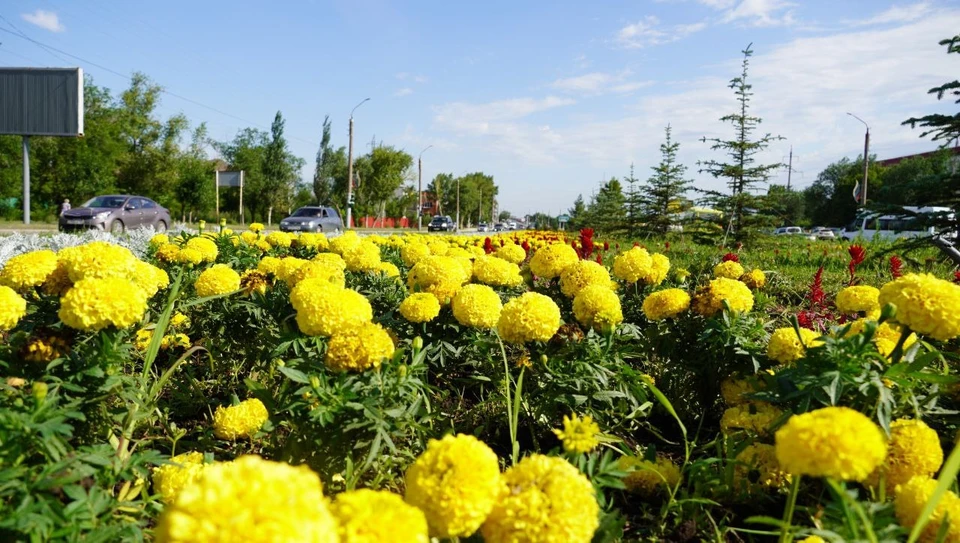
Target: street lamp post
(458, 204)
(420, 189)
(350, 169)
(866, 156)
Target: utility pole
(790, 168)
(866, 157)
(420, 189)
(350, 170)
(458, 204)
(480, 207)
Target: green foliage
(659, 197)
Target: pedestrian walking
(65, 206)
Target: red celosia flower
(817, 296)
(956, 277)
(731, 256)
(857, 256)
(526, 246)
(636, 243)
(488, 246)
(586, 242)
(599, 258)
(666, 245)
(739, 245)
(805, 319)
(606, 245)
(895, 265)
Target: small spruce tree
(663, 190)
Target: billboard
(41, 101)
(229, 179)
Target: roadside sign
(563, 218)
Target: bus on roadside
(909, 224)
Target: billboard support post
(216, 183)
(26, 180)
(241, 197)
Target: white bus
(895, 226)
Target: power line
(21, 34)
(128, 78)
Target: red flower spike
(817, 296)
(666, 246)
(895, 265)
(731, 257)
(606, 245)
(599, 258)
(488, 246)
(956, 277)
(857, 256)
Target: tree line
(128, 148)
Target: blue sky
(548, 97)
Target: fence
(377, 222)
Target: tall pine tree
(635, 204)
(741, 173)
(607, 210)
(323, 170)
(664, 188)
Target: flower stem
(786, 529)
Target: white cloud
(416, 78)
(803, 89)
(46, 20)
(599, 83)
(897, 14)
(405, 91)
(647, 32)
(761, 13)
(718, 4)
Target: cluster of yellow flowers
(757, 464)
(550, 261)
(632, 265)
(926, 304)
(666, 304)
(182, 470)
(239, 421)
(477, 306)
(755, 417)
(511, 252)
(217, 279)
(497, 272)
(646, 478)
(28, 270)
(12, 308)
(597, 306)
(857, 299)
(786, 347)
(579, 435)
(359, 348)
(529, 317)
(441, 276)
(754, 279)
(324, 309)
(372, 516)
(885, 337)
(912, 498)
(728, 269)
(43, 349)
(420, 307)
(913, 451)
(584, 273)
(836, 442)
(709, 299)
(96, 303)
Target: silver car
(116, 213)
(312, 219)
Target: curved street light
(866, 157)
(420, 188)
(350, 169)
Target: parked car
(440, 223)
(822, 232)
(788, 231)
(483, 227)
(312, 219)
(499, 227)
(116, 213)
(512, 225)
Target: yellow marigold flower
(511, 252)
(926, 304)
(205, 246)
(359, 348)
(262, 245)
(44, 349)
(313, 240)
(179, 320)
(412, 253)
(342, 243)
(498, 272)
(376, 516)
(168, 252)
(579, 435)
(238, 421)
(529, 317)
(269, 265)
(786, 347)
(12, 308)
(734, 391)
(172, 341)
(813, 539)
(546, 499)
(755, 279)
(254, 281)
(248, 237)
(913, 451)
(98, 259)
(885, 337)
(666, 304)
(389, 269)
(438, 248)
(441, 276)
(550, 261)
(256, 227)
(28, 270)
(708, 300)
(287, 267)
(324, 309)
(58, 282)
(251, 500)
(912, 498)
(757, 464)
(646, 478)
(858, 298)
(316, 269)
(756, 417)
(456, 483)
(420, 307)
(597, 306)
(477, 306)
(583, 273)
(188, 255)
(159, 239)
(331, 259)
(362, 257)
(681, 274)
(217, 279)
(835, 442)
(94, 304)
(141, 340)
(170, 479)
(658, 270)
(150, 278)
(279, 239)
(728, 269)
(633, 265)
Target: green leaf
(294, 375)
(948, 476)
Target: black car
(312, 219)
(441, 224)
(116, 213)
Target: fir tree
(664, 188)
(607, 210)
(323, 169)
(635, 204)
(578, 214)
(742, 174)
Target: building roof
(897, 160)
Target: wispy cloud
(897, 14)
(405, 91)
(599, 83)
(761, 13)
(46, 20)
(416, 78)
(648, 32)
